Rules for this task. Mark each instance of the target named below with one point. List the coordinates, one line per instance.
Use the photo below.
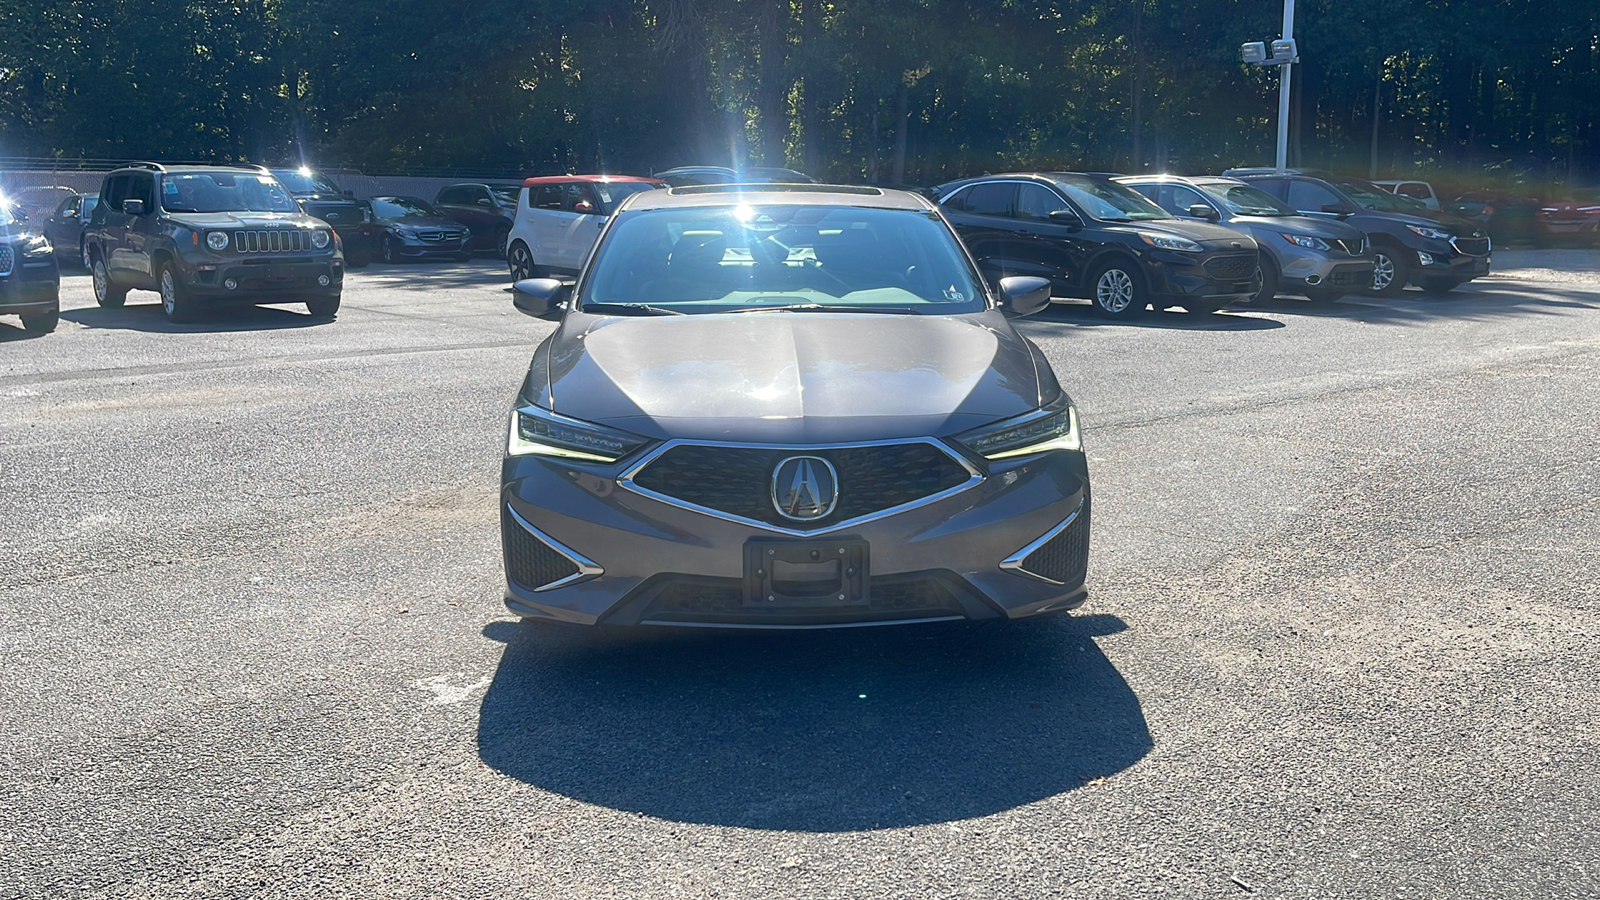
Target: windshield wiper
(826, 307)
(632, 308)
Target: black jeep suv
(209, 234)
(1100, 240)
(351, 218)
(1410, 243)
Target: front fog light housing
(319, 238)
(544, 433)
(1055, 427)
(217, 240)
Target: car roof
(1169, 178)
(789, 194)
(591, 179)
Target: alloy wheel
(1114, 291)
(1382, 271)
(521, 263)
(98, 272)
(169, 292)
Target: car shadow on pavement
(433, 274)
(148, 317)
(1172, 319)
(1469, 303)
(816, 731)
(10, 332)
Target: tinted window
(1036, 201)
(1184, 197)
(115, 190)
(140, 188)
(1108, 200)
(580, 193)
(1246, 200)
(614, 193)
(396, 207)
(305, 181)
(991, 199)
(1413, 190)
(506, 196)
(453, 195)
(547, 196)
(1309, 197)
(722, 259)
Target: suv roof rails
(763, 188)
(141, 164)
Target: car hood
(1217, 236)
(199, 221)
(1427, 218)
(790, 377)
(424, 222)
(1329, 229)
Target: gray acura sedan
(789, 406)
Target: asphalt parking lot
(1342, 636)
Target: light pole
(1284, 55)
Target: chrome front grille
(438, 237)
(8, 259)
(1354, 248)
(285, 240)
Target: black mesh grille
(1231, 268)
(530, 562)
(681, 599)
(1351, 276)
(7, 260)
(1473, 246)
(738, 480)
(1065, 557)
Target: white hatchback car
(560, 216)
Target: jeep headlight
(319, 238)
(542, 432)
(1433, 234)
(1054, 427)
(1169, 242)
(217, 240)
(1307, 241)
(36, 246)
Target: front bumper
(32, 286)
(1175, 277)
(1442, 259)
(418, 247)
(266, 277)
(624, 557)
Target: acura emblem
(804, 488)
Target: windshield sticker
(953, 295)
(169, 187)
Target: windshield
(208, 192)
(506, 194)
(614, 192)
(1369, 195)
(781, 257)
(1109, 202)
(1244, 200)
(305, 181)
(8, 211)
(399, 207)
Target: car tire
(1117, 290)
(501, 237)
(1270, 279)
(520, 261)
(389, 252)
(323, 307)
(41, 323)
(176, 303)
(106, 293)
(1441, 285)
(1390, 270)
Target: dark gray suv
(789, 407)
(201, 235)
(1410, 243)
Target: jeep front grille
(287, 240)
(7, 260)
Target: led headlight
(540, 431)
(217, 240)
(1169, 242)
(1430, 233)
(37, 245)
(1306, 241)
(319, 238)
(1055, 427)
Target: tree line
(889, 91)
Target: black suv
(488, 211)
(352, 219)
(203, 234)
(1410, 243)
(1096, 239)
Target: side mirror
(133, 207)
(485, 201)
(583, 206)
(69, 213)
(1066, 217)
(1204, 211)
(542, 298)
(1338, 209)
(1024, 295)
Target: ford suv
(200, 235)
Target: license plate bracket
(822, 573)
